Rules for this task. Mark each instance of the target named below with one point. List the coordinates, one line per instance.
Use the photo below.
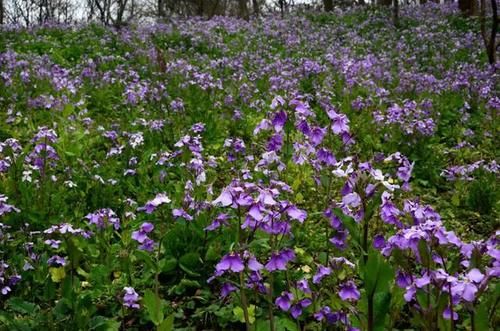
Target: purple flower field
(321, 171)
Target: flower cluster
(104, 217)
(141, 236)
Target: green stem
(157, 275)
(244, 302)
(271, 315)
(370, 313)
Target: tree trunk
(489, 43)
(328, 4)
(395, 13)
(200, 10)
(256, 8)
(467, 7)
(243, 9)
(384, 2)
(120, 11)
(161, 9)
(1, 12)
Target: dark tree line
(121, 12)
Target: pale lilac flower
(130, 298)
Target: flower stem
(244, 302)
(271, 315)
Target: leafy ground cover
(319, 172)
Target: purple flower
(326, 313)
(219, 221)
(53, 243)
(226, 289)
(352, 200)
(141, 235)
(447, 314)
(422, 281)
(388, 211)
(303, 285)
(296, 213)
(402, 279)
(225, 198)
(284, 301)
(147, 245)
(4, 207)
(316, 135)
(150, 206)
(321, 273)
(349, 291)
(325, 156)
(102, 217)
(256, 282)
(340, 122)
(296, 309)
(130, 298)
(378, 241)
(181, 213)
(410, 293)
(254, 265)
(56, 261)
(230, 262)
(277, 101)
(475, 275)
(465, 290)
(279, 120)
(278, 261)
(275, 143)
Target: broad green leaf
(189, 263)
(21, 306)
(238, 312)
(381, 305)
(146, 258)
(481, 318)
(101, 323)
(285, 324)
(424, 253)
(168, 264)
(167, 324)
(153, 306)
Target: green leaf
(101, 323)
(168, 264)
(424, 253)
(189, 283)
(68, 110)
(167, 324)
(153, 306)
(370, 273)
(285, 324)
(212, 253)
(20, 306)
(481, 320)
(381, 305)
(238, 312)
(189, 271)
(146, 258)
(377, 273)
(190, 262)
